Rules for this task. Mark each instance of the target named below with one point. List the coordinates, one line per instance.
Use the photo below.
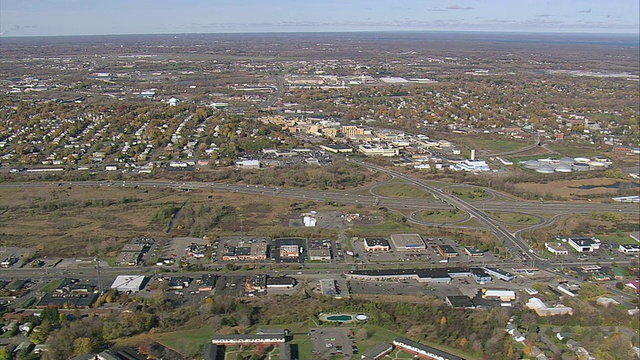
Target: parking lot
(329, 342)
(175, 248)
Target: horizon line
(522, 32)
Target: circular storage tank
(531, 164)
(564, 168)
(567, 160)
(582, 160)
(595, 165)
(545, 169)
(581, 167)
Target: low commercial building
(447, 251)
(378, 352)
(543, 310)
(128, 283)
(629, 248)
(480, 276)
(376, 244)
(460, 302)
(248, 340)
(556, 249)
(337, 148)
(281, 282)
(379, 150)
(473, 251)
(500, 274)
(206, 282)
(502, 295)
(584, 244)
(422, 351)
(408, 242)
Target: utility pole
(97, 260)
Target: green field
(493, 145)
(618, 239)
(514, 218)
(50, 287)
(470, 194)
(187, 342)
(398, 188)
(441, 216)
(573, 151)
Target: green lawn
(50, 287)
(624, 239)
(399, 188)
(514, 218)
(441, 216)
(494, 145)
(470, 194)
(384, 229)
(574, 151)
(188, 342)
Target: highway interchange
(442, 200)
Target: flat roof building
(473, 251)
(376, 244)
(126, 283)
(543, 310)
(422, 351)
(447, 251)
(408, 242)
(629, 248)
(584, 243)
(378, 352)
(556, 249)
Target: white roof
(128, 282)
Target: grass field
(187, 342)
(624, 239)
(50, 287)
(493, 145)
(87, 221)
(573, 151)
(441, 216)
(469, 194)
(398, 188)
(514, 218)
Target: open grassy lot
(570, 188)
(574, 151)
(469, 194)
(399, 188)
(514, 218)
(85, 221)
(494, 145)
(618, 239)
(441, 216)
(187, 342)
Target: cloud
(436, 9)
(586, 11)
(544, 15)
(459, 7)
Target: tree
(5, 354)
(82, 345)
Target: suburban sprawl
(320, 196)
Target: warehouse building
(422, 351)
(408, 242)
(129, 283)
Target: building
(556, 249)
(320, 250)
(376, 244)
(378, 352)
(502, 295)
(128, 283)
(460, 302)
(447, 251)
(422, 351)
(480, 276)
(248, 340)
(351, 131)
(179, 282)
(408, 242)
(248, 164)
(629, 248)
(206, 282)
(500, 274)
(379, 150)
(281, 282)
(472, 166)
(541, 309)
(473, 251)
(584, 244)
(289, 251)
(337, 148)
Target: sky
(100, 17)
